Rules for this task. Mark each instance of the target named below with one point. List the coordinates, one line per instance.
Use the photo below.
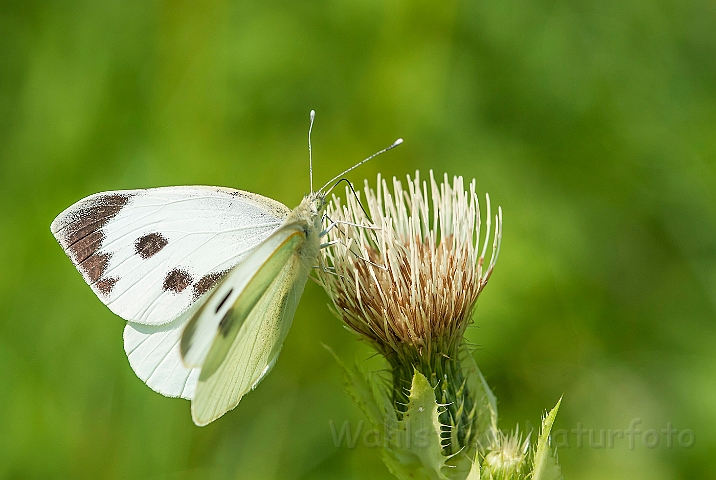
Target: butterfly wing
(153, 353)
(239, 332)
(150, 254)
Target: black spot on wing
(148, 245)
(226, 322)
(85, 247)
(223, 301)
(206, 282)
(176, 281)
(80, 234)
(90, 217)
(105, 285)
(94, 266)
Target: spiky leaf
(545, 462)
(415, 451)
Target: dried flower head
(407, 281)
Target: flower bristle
(419, 273)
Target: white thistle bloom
(415, 279)
(408, 281)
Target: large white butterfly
(208, 279)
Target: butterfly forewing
(149, 254)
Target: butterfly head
(310, 211)
(317, 204)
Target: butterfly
(208, 279)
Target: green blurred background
(593, 124)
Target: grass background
(593, 124)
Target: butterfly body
(308, 215)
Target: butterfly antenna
(395, 144)
(354, 194)
(310, 152)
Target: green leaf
(475, 470)
(414, 449)
(545, 461)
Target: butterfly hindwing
(153, 353)
(150, 254)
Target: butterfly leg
(339, 241)
(328, 270)
(328, 228)
(335, 223)
(382, 267)
(369, 227)
(328, 244)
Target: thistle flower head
(413, 281)
(406, 279)
(507, 456)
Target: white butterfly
(208, 279)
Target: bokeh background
(593, 124)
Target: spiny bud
(506, 458)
